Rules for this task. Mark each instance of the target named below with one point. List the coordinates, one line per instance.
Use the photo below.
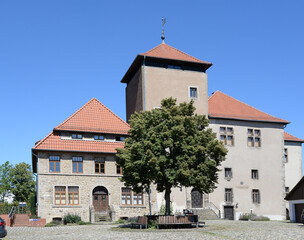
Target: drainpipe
(150, 201)
(36, 175)
(144, 84)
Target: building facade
(77, 172)
(255, 175)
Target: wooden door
(100, 202)
(196, 199)
(228, 212)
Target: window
(99, 165)
(127, 195)
(73, 195)
(174, 67)
(118, 138)
(77, 164)
(254, 174)
(228, 173)
(226, 136)
(285, 155)
(193, 92)
(118, 169)
(137, 198)
(254, 137)
(228, 195)
(256, 196)
(60, 196)
(98, 137)
(76, 136)
(54, 164)
(286, 190)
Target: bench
(178, 220)
(141, 221)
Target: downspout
(37, 192)
(144, 84)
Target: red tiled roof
(94, 117)
(54, 143)
(224, 106)
(289, 137)
(165, 51)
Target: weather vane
(163, 31)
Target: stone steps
(205, 214)
(21, 220)
(102, 217)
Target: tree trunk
(167, 198)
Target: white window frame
(197, 92)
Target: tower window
(193, 92)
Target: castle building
(76, 165)
(256, 174)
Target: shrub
(83, 223)
(246, 216)
(34, 216)
(120, 221)
(71, 218)
(52, 224)
(152, 224)
(162, 210)
(260, 218)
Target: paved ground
(217, 229)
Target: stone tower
(165, 72)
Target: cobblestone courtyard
(220, 229)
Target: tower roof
(288, 137)
(224, 106)
(163, 50)
(165, 54)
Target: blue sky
(57, 55)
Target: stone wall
(86, 182)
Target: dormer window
(119, 139)
(98, 137)
(76, 136)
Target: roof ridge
(213, 94)
(158, 46)
(85, 105)
(76, 112)
(250, 106)
(153, 48)
(185, 53)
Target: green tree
(22, 179)
(5, 183)
(171, 147)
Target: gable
(297, 192)
(94, 117)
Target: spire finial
(163, 31)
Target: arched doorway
(196, 199)
(100, 199)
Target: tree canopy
(5, 183)
(22, 181)
(170, 147)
